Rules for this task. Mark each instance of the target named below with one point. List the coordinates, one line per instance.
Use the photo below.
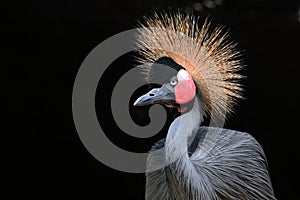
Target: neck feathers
(181, 130)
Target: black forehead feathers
(162, 70)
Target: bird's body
(218, 164)
(196, 70)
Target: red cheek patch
(185, 90)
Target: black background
(44, 45)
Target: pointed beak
(161, 95)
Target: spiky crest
(206, 54)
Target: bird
(196, 70)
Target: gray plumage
(224, 164)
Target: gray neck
(180, 130)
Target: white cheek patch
(183, 75)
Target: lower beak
(161, 95)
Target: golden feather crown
(206, 54)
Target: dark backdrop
(45, 43)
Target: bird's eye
(173, 81)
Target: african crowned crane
(203, 163)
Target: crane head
(177, 90)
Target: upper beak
(161, 95)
